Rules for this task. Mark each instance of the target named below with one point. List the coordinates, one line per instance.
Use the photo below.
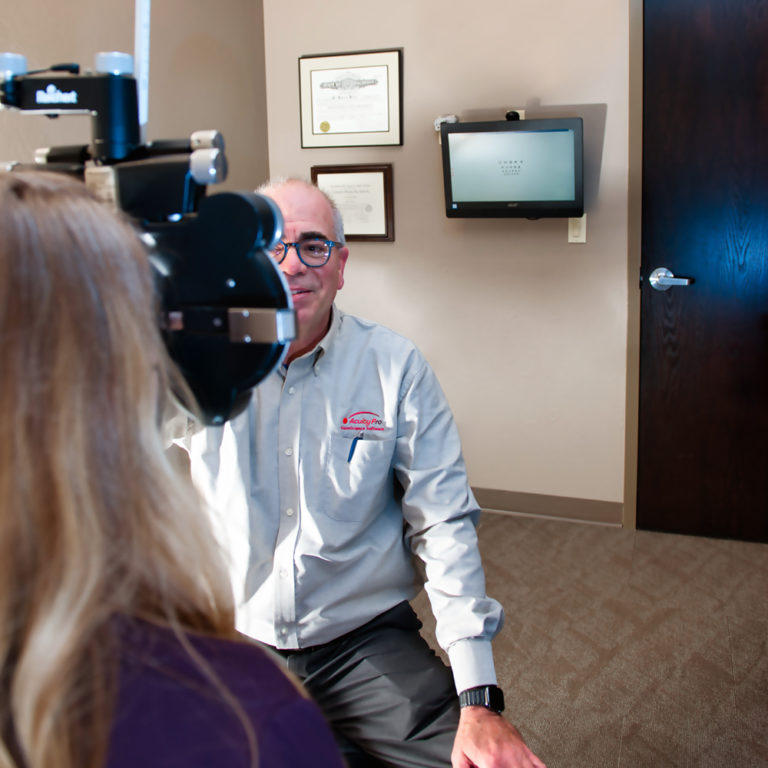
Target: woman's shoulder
(197, 700)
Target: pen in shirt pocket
(352, 447)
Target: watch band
(488, 696)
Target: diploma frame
(356, 188)
(351, 99)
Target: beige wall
(527, 333)
(206, 71)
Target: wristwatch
(488, 696)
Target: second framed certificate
(363, 195)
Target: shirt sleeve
(440, 515)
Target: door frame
(634, 245)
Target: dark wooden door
(703, 447)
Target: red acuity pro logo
(366, 421)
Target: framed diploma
(363, 194)
(351, 99)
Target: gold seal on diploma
(325, 126)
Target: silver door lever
(662, 279)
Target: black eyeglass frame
(287, 246)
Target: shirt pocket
(358, 476)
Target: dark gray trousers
(389, 698)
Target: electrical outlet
(577, 229)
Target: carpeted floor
(629, 649)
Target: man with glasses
(345, 468)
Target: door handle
(662, 279)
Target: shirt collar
(322, 346)
(333, 330)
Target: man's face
(306, 216)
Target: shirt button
(291, 390)
(283, 574)
(289, 512)
(289, 451)
(283, 631)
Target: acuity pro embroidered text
(365, 420)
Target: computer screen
(520, 168)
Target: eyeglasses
(312, 253)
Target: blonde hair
(95, 521)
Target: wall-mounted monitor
(513, 168)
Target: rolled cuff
(472, 664)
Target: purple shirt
(169, 715)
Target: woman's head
(80, 352)
(94, 519)
(83, 366)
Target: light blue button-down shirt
(344, 466)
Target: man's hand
(486, 740)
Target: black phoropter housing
(151, 182)
(227, 315)
(110, 98)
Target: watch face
(496, 699)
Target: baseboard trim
(584, 510)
